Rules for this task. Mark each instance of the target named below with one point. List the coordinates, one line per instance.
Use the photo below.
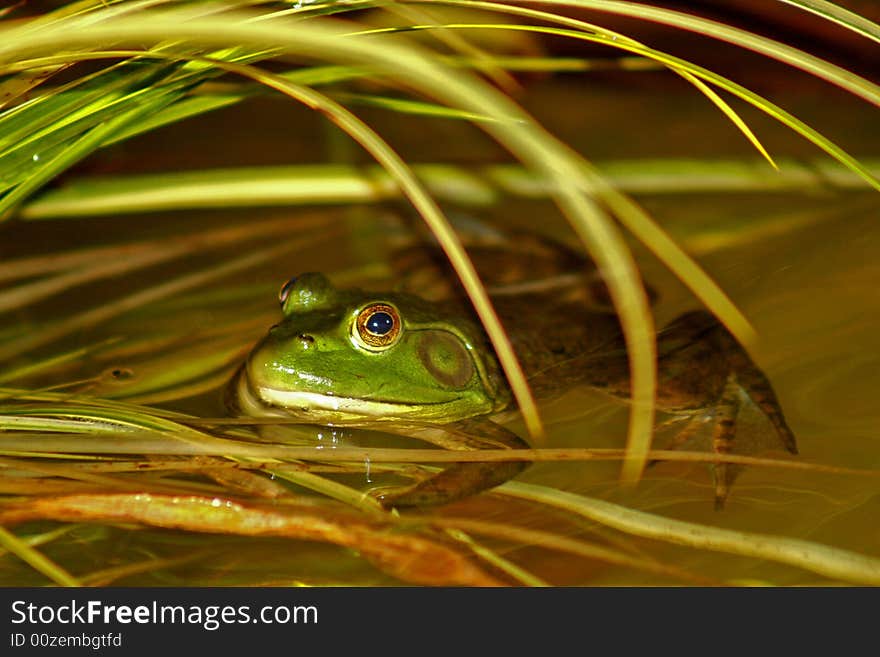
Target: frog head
(350, 356)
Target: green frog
(400, 363)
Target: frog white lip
(319, 408)
(313, 401)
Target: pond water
(801, 265)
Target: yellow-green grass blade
(613, 38)
(515, 572)
(58, 111)
(825, 70)
(554, 64)
(42, 128)
(707, 27)
(837, 14)
(404, 106)
(482, 60)
(729, 112)
(44, 436)
(69, 156)
(16, 86)
(202, 102)
(36, 540)
(832, 562)
(701, 73)
(332, 489)
(188, 106)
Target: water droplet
(367, 469)
(36, 157)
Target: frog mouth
(317, 406)
(309, 402)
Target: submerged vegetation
(130, 294)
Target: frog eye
(284, 292)
(377, 327)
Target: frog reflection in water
(400, 363)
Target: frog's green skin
(440, 380)
(311, 363)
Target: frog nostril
(306, 339)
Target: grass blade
(829, 561)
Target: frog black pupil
(380, 323)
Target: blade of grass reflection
(61, 328)
(111, 261)
(512, 570)
(53, 361)
(102, 481)
(36, 559)
(523, 536)
(108, 576)
(36, 540)
(195, 378)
